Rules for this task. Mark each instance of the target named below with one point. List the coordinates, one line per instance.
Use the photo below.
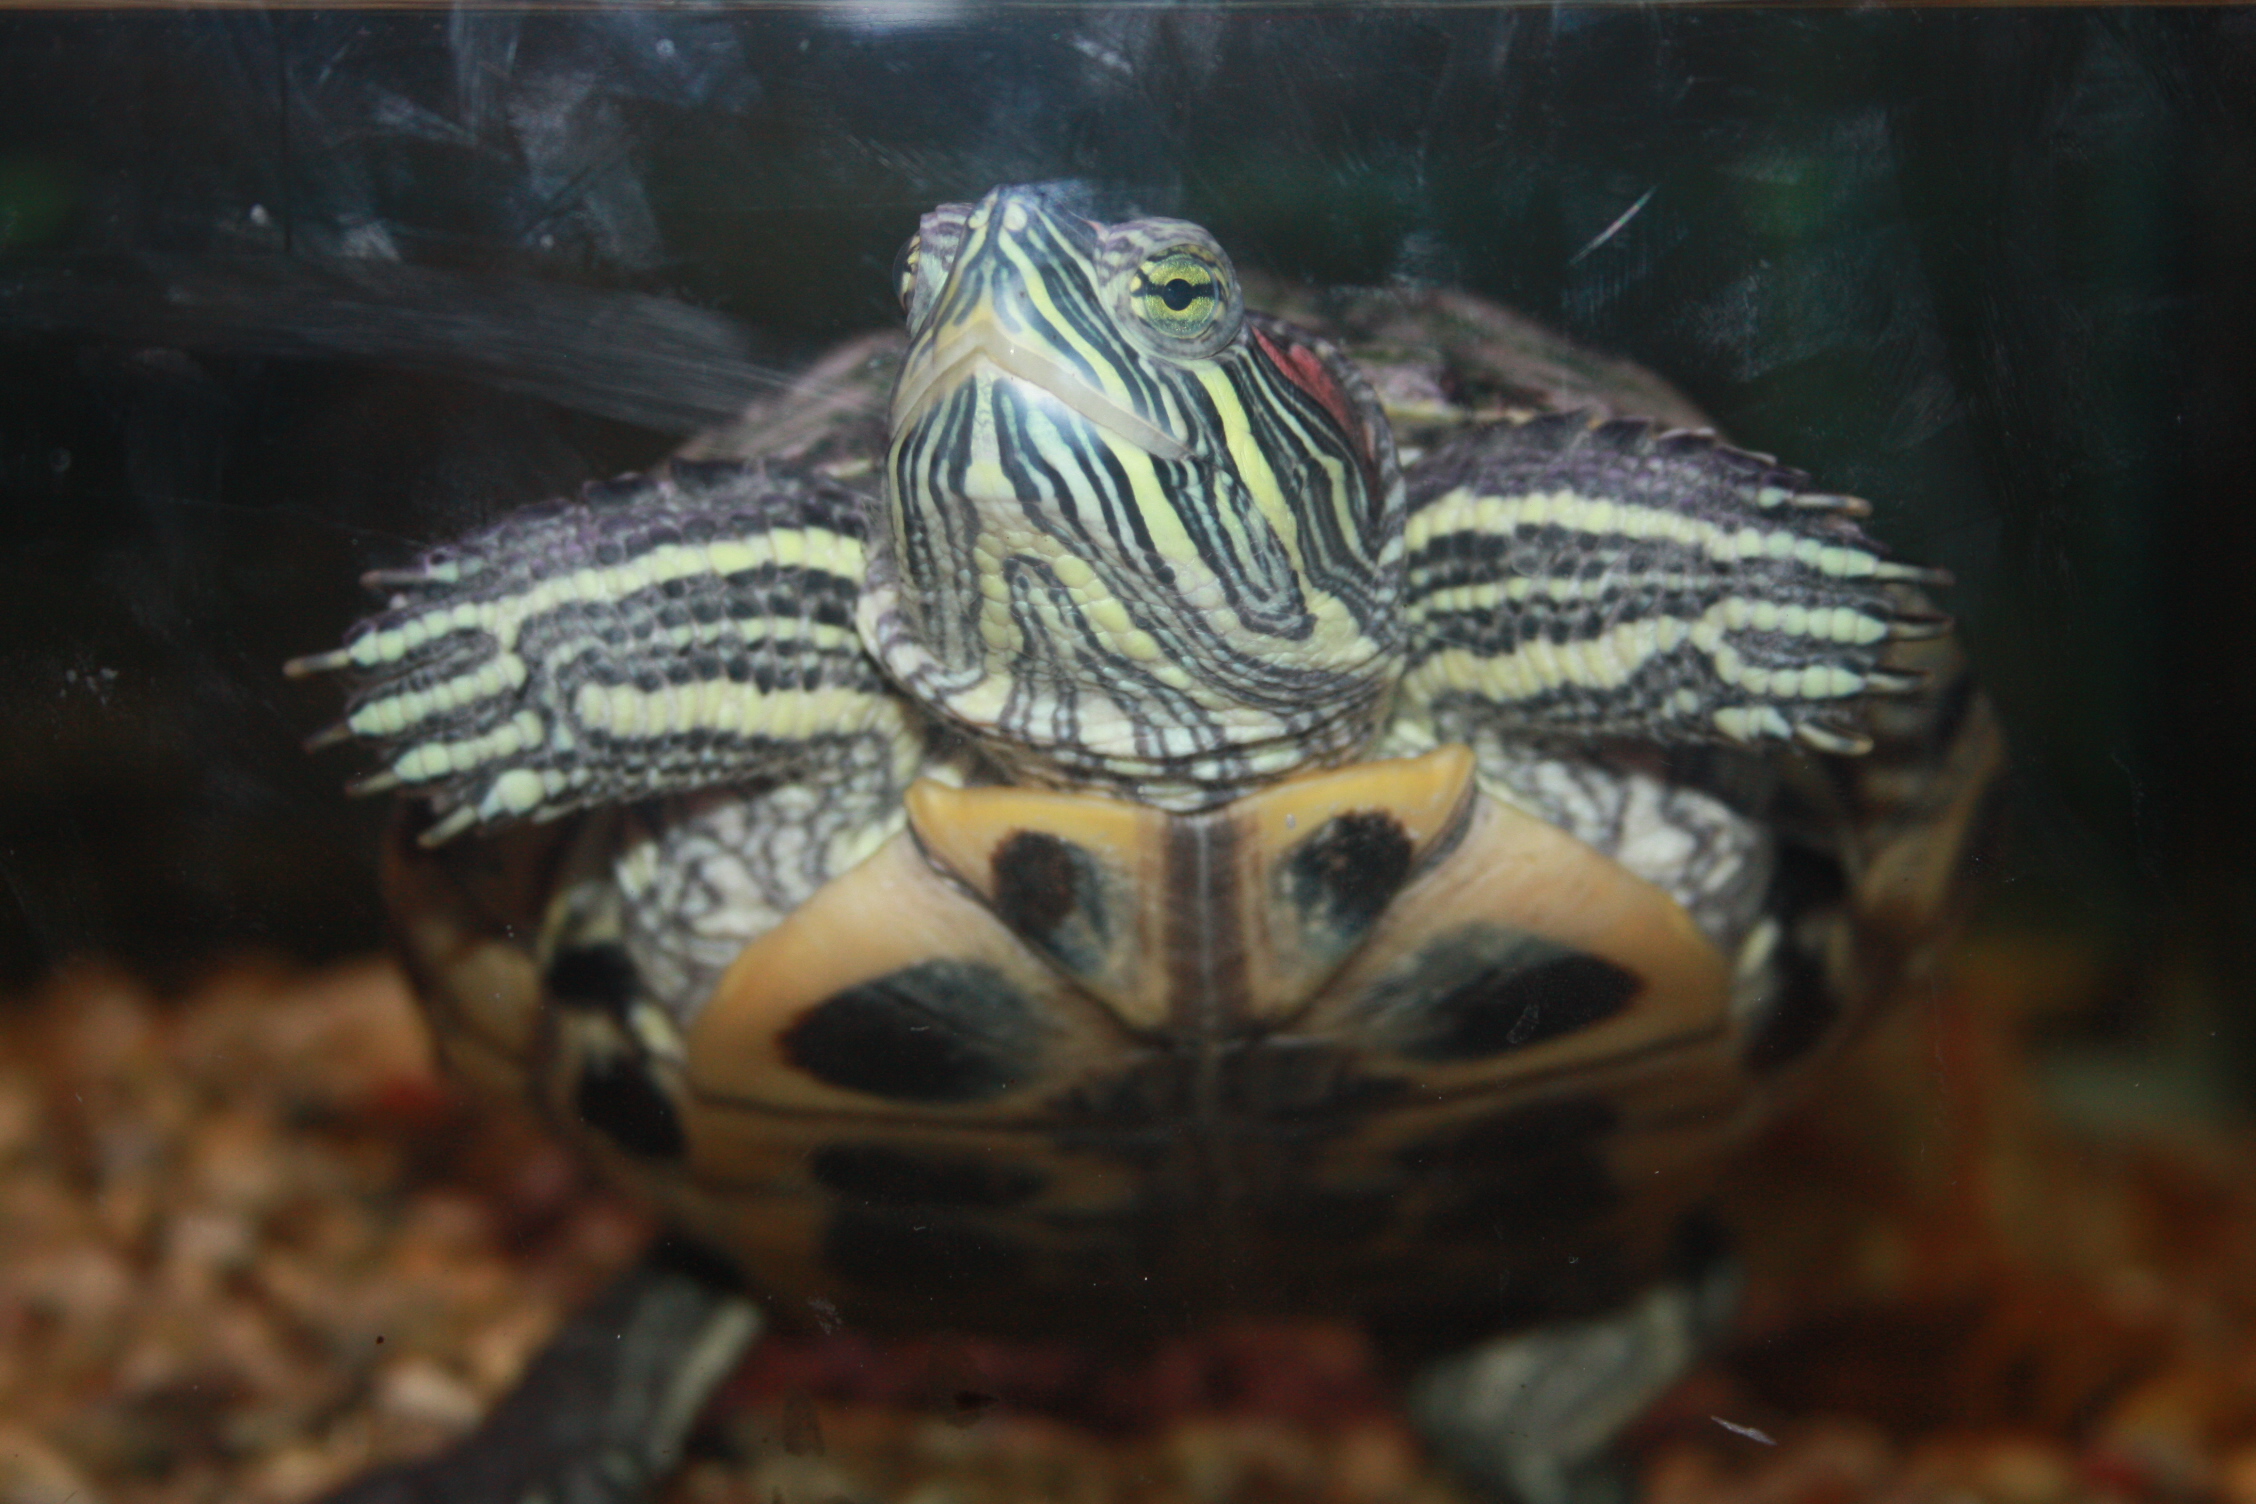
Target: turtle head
(1134, 534)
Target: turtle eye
(905, 270)
(1179, 294)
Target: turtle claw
(318, 663)
(1820, 737)
(421, 576)
(1919, 626)
(380, 782)
(456, 821)
(1913, 574)
(1841, 506)
(1881, 681)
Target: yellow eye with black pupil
(1178, 294)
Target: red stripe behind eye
(1305, 369)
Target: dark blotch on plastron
(1510, 1009)
(1048, 891)
(617, 1098)
(940, 1031)
(1485, 990)
(909, 1251)
(594, 976)
(1282, 1077)
(1346, 874)
(879, 1174)
(1268, 1087)
(1569, 1124)
(1134, 1115)
(1035, 886)
(1523, 1171)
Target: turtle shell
(1370, 1041)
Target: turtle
(1111, 809)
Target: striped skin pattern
(1122, 550)
(669, 631)
(1131, 537)
(1572, 581)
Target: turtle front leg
(1570, 580)
(601, 1414)
(660, 634)
(1532, 1416)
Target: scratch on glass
(1615, 228)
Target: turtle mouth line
(947, 365)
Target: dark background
(285, 295)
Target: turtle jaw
(984, 348)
